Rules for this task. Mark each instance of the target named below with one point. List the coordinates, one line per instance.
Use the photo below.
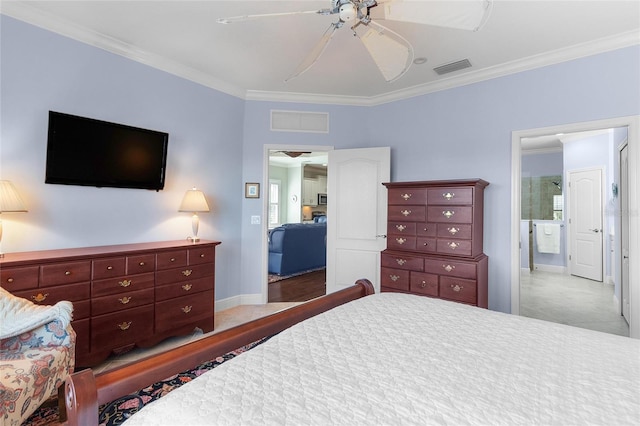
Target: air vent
(453, 66)
(299, 121)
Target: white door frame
(265, 205)
(633, 125)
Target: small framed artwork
(251, 190)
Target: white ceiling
(251, 59)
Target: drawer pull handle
(187, 287)
(124, 283)
(456, 288)
(453, 230)
(425, 229)
(449, 195)
(405, 196)
(109, 268)
(124, 325)
(401, 261)
(401, 240)
(187, 272)
(187, 309)
(425, 244)
(202, 255)
(125, 300)
(173, 259)
(141, 263)
(40, 297)
(448, 268)
(67, 272)
(406, 213)
(394, 278)
(10, 280)
(448, 214)
(423, 284)
(453, 245)
(401, 227)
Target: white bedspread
(391, 359)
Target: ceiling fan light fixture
(419, 61)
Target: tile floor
(223, 320)
(571, 300)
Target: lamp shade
(10, 201)
(194, 201)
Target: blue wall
(216, 143)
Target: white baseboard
(617, 304)
(551, 268)
(232, 302)
(609, 280)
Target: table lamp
(9, 202)
(194, 202)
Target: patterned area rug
(275, 278)
(116, 412)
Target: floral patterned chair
(35, 362)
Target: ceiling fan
(391, 52)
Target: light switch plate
(255, 220)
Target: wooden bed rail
(83, 392)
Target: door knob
(595, 230)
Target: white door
(357, 215)
(624, 234)
(585, 224)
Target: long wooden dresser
(434, 240)
(123, 295)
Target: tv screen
(88, 152)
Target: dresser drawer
(454, 247)
(121, 328)
(401, 242)
(78, 294)
(199, 255)
(183, 311)
(107, 268)
(119, 302)
(456, 230)
(65, 273)
(407, 213)
(83, 342)
(422, 283)
(174, 290)
(121, 284)
(171, 259)
(452, 195)
(426, 245)
(402, 262)
(426, 229)
(394, 278)
(451, 268)
(401, 228)
(184, 274)
(450, 214)
(402, 196)
(458, 289)
(19, 278)
(141, 264)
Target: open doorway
(553, 269)
(296, 223)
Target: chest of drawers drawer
(450, 214)
(174, 290)
(174, 313)
(401, 261)
(411, 213)
(201, 255)
(141, 264)
(394, 278)
(122, 284)
(458, 289)
(426, 284)
(450, 195)
(110, 267)
(184, 274)
(121, 301)
(171, 259)
(121, 328)
(401, 228)
(79, 294)
(13, 279)
(450, 268)
(65, 273)
(407, 196)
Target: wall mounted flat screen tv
(88, 152)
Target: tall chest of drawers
(123, 295)
(434, 240)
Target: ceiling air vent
(299, 121)
(453, 66)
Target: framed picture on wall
(251, 190)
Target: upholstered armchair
(37, 349)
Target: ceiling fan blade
(391, 52)
(241, 18)
(464, 14)
(315, 52)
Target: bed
(386, 358)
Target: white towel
(548, 237)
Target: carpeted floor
(116, 412)
(275, 278)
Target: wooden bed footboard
(79, 398)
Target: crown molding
(24, 12)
